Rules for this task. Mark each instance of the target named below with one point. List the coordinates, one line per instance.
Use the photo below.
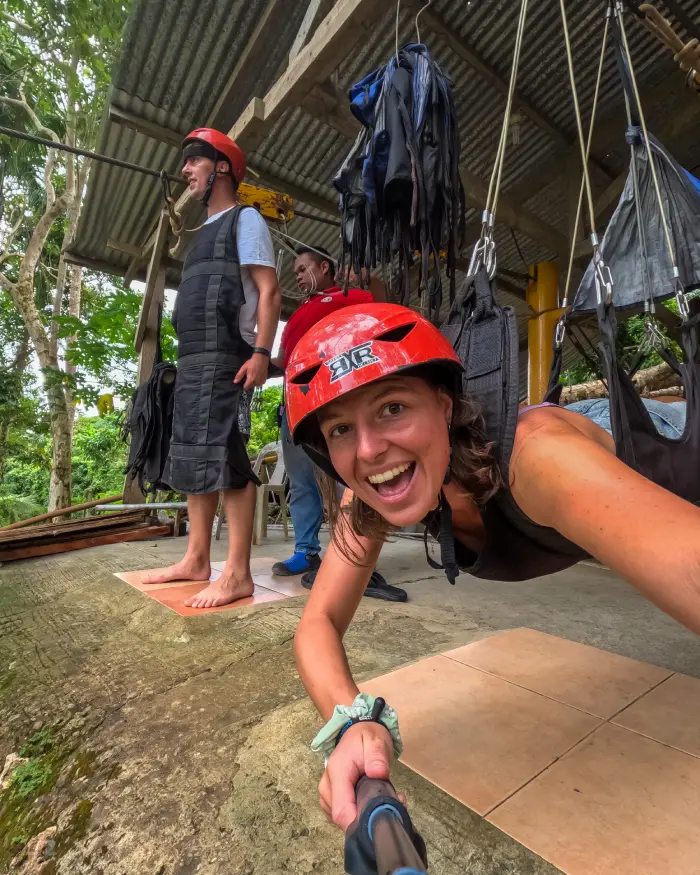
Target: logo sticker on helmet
(358, 357)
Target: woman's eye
(339, 431)
(393, 409)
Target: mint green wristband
(325, 741)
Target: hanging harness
(485, 337)
(148, 424)
(658, 193)
(400, 189)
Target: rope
(579, 123)
(291, 249)
(588, 152)
(484, 252)
(602, 276)
(420, 12)
(497, 173)
(398, 11)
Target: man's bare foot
(225, 589)
(187, 569)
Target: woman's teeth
(388, 475)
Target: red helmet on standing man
(220, 143)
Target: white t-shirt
(254, 247)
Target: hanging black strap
(485, 337)
(448, 558)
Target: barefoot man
(225, 317)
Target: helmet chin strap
(209, 188)
(210, 184)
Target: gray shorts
(669, 419)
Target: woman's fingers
(344, 771)
(366, 749)
(324, 792)
(376, 758)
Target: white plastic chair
(276, 485)
(269, 450)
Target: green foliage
(629, 336)
(40, 743)
(103, 349)
(99, 456)
(264, 429)
(14, 508)
(56, 55)
(31, 779)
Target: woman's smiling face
(389, 442)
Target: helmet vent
(306, 376)
(397, 334)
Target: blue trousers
(669, 419)
(305, 503)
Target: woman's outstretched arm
(564, 475)
(318, 642)
(366, 748)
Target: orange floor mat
(173, 594)
(590, 759)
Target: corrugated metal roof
(178, 57)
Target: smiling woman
(374, 396)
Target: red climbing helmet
(356, 346)
(220, 143)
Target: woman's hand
(366, 749)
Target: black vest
(210, 294)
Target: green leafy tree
(99, 456)
(55, 58)
(102, 339)
(264, 428)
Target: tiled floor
(173, 594)
(589, 759)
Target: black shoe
(377, 588)
(282, 569)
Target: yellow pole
(542, 296)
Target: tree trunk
(19, 365)
(62, 437)
(4, 430)
(648, 381)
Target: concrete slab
(180, 745)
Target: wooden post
(146, 340)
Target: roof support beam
(252, 50)
(521, 104)
(612, 130)
(143, 126)
(334, 39)
(326, 102)
(298, 193)
(314, 13)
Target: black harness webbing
(485, 337)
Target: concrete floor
(179, 745)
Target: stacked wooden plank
(64, 535)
